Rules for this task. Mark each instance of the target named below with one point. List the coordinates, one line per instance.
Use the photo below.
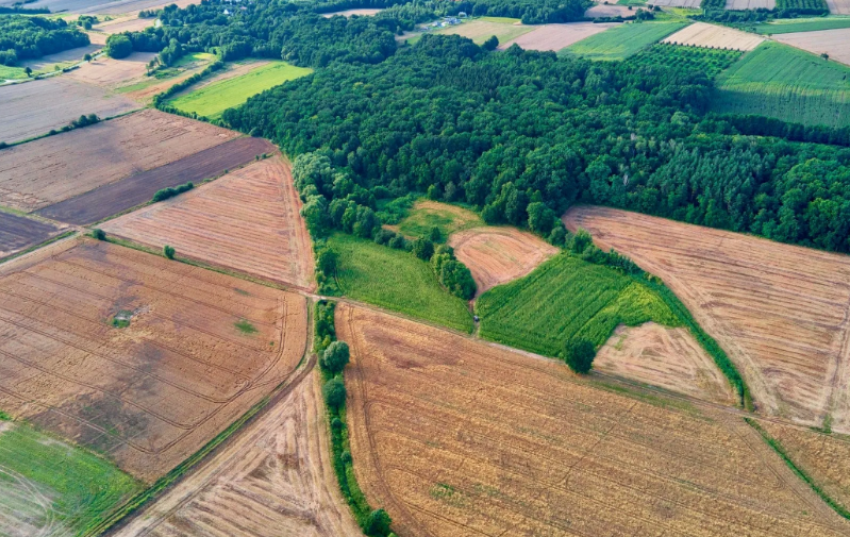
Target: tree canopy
(24, 38)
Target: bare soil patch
(74, 54)
(349, 12)
(124, 24)
(111, 73)
(690, 4)
(17, 233)
(557, 36)
(610, 10)
(34, 108)
(700, 34)
(138, 188)
(836, 43)
(497, 255)
(275, 479)
(666, 357)
(56, 168)
(149, 394)
(248, 220)
(779, 311)
(750, 4)
(516, 445)
(839, 7)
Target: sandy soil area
(700, 34)
(557, 36)
(111, 73)
(836, 43)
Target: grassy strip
(777, 447)
(39, 245)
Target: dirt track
(248, 220)
(139, 188)
(781, 312)
(513, 445)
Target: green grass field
(210, 101)
(396, 280)
(705, 60)
(564, 298)
(788, 26)
(425, 215)
(11, 73)
(622, 41)
(53, 486)
(779, 81)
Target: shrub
(170, 192)
(579, 355)
(335, 357)
(435, 235)
(118, 46)
(334, 392)
(168, 251)
(423, 249)
(378, 524)
(98, 234)
(581, 240)
(491, 43)
(326, 261)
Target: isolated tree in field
(119, 46)
(28, 71)
(168, 251)
(335, 357)
(87, 57)
(579, 355)
(98, 234)
(491, 43)
(378, 523)
(423, 249)
(334, 392)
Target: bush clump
(579, 355)
(170, 192)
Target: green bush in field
(579, 354)
(378, 523)
(334, 392)
(168, 251)
(335, 357)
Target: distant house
(226, 12)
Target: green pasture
(620, 42)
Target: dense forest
(23, 38)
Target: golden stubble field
(457, 438)
(201, 348)
(779, 311)
(700, 34)
(248, 220)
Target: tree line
(23, 38)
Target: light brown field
(130, 23)
(839, 7)
(700, 34)
(349, 12)
(836, 43)
(779, 311)
(152, 393)
(610, 10)
(457, 438)
(667, 357)
(57, 168)
(750, 4)
(480, 30)
(248, 220)
(557, 36)
(826, 458)
(691, 4)
(111, 73)
(275, 479)
(71, 55)
(497, 255)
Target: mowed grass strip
(786, 83)
(790, 26)
(566, 298)
(210, 101)
(47, 484)
(396, 280)
(622, 41)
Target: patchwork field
(481, 30)
(835, 43)
(111, 73)
(213, 99)
(740, 5)
(700, 34)
(497, 255)
(557, 36)
(276, 478)
(51, 488)
(18, 233)
(788, 26)
(839, 7)
(396, 280)
(779, 311)
(622, 41)
(113, 198)
(135, 356)
(248, 220)
(514, 445)
(143, 88)
(47, 171)
(34, 108)
(426, 215)
(779, 81)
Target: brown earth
(836, 43)
(130, 23)
(781, 312)
(839, 7)
(349, 12)
(18, 233)
(138, 188)
(34, 108)
(667, 357)
(150, 394)
(248, 220)
(497, 255)
(611, 10)
(111, 73)
(700, 34)
(275, 479)
(457, 438)
(72, 55)
(557, 36)
(56, 168)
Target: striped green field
(622, 41)
(790, 26)
(786, 83)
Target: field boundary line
(57, 133)
(67, 234)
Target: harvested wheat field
(56, 168)
(516, 445)
(836, 43)
(366, 12)
(135, 356)
(124, 24)
(779, 311)
(825, 458)
(34, 108)
(111, 73)
(750, 4)
(66, 57)
(557, 36)
(690, 4)
(666, 357)
(839, 7)
(18, 233)
(610, 10)
(700, 34)
(497, 255)
(248, 220)
(275, 479)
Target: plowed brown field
(836, 43)
(152, 393)
(111, 73)
(275, 479)
(248, 220)
(57, 168)
(667, 357)
(497, 255)
(457, 438)
(557, 36)
(779, 311)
